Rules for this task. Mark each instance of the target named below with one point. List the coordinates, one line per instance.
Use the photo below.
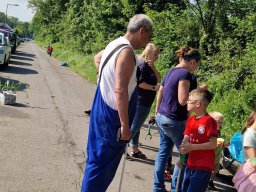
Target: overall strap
(108, 57)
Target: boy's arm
(185, 139)
(184, 142)
(187, 147)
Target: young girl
(245, 178)
(218, 117)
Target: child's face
(193, 103)
(219, 121)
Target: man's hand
(125, 134)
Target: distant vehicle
(5, 52)
(20, 40)
(27, 39)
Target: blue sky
(21, 12)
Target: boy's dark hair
(206, 96)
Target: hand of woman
(157, 87)
(150, 63)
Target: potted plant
(8, 92)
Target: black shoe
(128, 157)
(87, 112)
(138, 155)
(211, 185)
(218, 174)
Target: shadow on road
(24, 54)
(20, 105)
(21, 58)
(149, 147)
(18, 70)
(15, 62)
(146, 161)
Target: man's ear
(198, 103)
(142, 30)
(193, 61)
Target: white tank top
(107, 82)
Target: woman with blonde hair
(147, 79)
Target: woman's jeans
(141, 115)
(171, 133)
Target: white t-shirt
(249, 140)
(107, 83)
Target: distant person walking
(49, 50)
(114, 105)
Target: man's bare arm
(97, 59)
(125, 64)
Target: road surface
(43, 136)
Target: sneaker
(167, 176)
(169, 169)
(88, 112)
(211, 185)
(138, 155)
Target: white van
(5, 53)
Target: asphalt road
(43, 136)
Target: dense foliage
(223, 30)
(21, 28)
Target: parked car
(12, 39)
(5, 51)
(10, 46)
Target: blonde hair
(149, 49)
(216, 115)
(203, 95)
(203, 86)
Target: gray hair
(139, 21)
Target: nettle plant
(10, 87)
